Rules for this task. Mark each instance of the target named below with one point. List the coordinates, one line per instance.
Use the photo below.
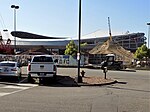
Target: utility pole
(14, 7)
(148, 34)
(79, 78)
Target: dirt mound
(109, 47)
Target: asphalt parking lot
(130, 94)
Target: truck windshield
(42, 59)
(110, 58)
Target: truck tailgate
(42, 67)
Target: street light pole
(78, 54)
(14, 7)
(148, 34)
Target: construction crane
(110, 36)
(5, 47)
(105, 45)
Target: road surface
(130, 94)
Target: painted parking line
(23, 80)
(27, 85)
(14, 87)
(3, 94)
(17, 88)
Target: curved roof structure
(27, 35)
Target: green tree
(71, 48)
(83, 44)
(148, 53)
(142, 52)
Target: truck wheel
(41, 81)
(118, 68)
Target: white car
(10, 69)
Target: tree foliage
(71, 48)
(142, 52)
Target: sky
(60, 17)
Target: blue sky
(60, 17)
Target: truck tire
(41, 81)
(118, 67)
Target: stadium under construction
(26, 41)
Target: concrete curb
(102, 84)
(86, 84)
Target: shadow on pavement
(129, 89)
(61, 81)
(9, 80)
(128, 70)
(121, 82)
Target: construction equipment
(5, 47)
(111, 63)
(120, 57)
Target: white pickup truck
(41, 66)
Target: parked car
(10, 69)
